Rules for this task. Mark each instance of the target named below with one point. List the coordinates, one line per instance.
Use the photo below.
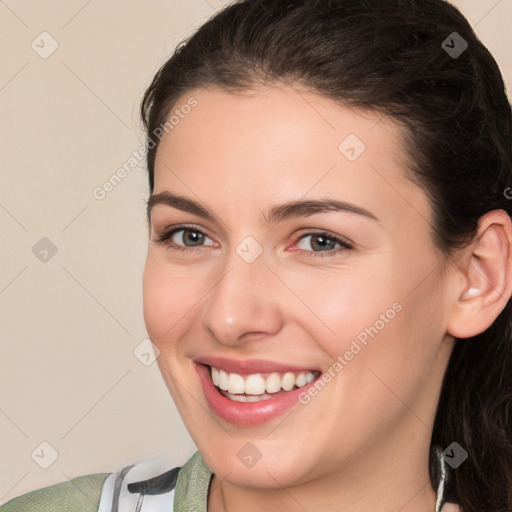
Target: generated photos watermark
(138, 156)
(357, 345)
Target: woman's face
(273, 283)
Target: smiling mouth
(259, 386)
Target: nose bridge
(240, 300)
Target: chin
(259, 464)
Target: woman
(329, 267)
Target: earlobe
(488, 277)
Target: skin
(368, 431)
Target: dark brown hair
(392, 58)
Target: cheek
(392, 373)
(380, 337)
(168, 302)
(336, 305)
(168, 298)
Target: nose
(243, 302)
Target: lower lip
(246, 413)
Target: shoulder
(147, 483)
(80, 493)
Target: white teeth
(248, 398)
(215, 376)
(300, 380)
(288, 381)
(236, 383)
(255, 387)
(273, 384)
(223, 380)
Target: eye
(185, 238)
(322, 244)
(182, 238)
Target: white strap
(115, 496)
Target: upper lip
(250, 366)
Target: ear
(486, 271)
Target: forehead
(281, 143)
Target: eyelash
(164, 239)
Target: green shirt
(82, 494)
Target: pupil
(323, 242)
(194, 237)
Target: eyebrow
(279, 212)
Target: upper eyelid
(338, 238)
(169, 230)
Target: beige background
(70, 324)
